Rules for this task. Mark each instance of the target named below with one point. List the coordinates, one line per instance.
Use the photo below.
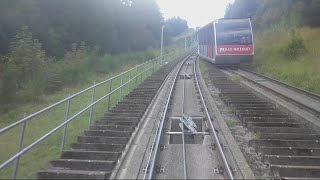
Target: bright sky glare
(196, 12)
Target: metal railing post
(141, 74)
(121, 83)
(65, 126)
(129, 82)
(16, 162)
(154, 66)
(109, 98)
(92, 100)
(136, 74)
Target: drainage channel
(100, 149)
(187, 145)
(290, 147)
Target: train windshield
(233, 32)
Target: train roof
(225, 20)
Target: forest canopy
(46, 45)
(111, 26)
(266, 13)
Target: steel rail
(188, 133)
(182, 131)
(156, 142)
(29, 117)
(216, 139)
(305, 92)
(26, 149)
(301, 105)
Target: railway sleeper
(292, 160)
(108, 133)
(285, 143)
(102, 139)
(85, 165)
(98, 147)
(246, 115)
(247, 120)
(91, 155)
(115, 127)
(296, 171)
(292, 136)
(280, 130)
(72, 174)
(288, 151)
(118, 123)
(273, 124)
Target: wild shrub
(295, 47)
(8, 88)
(72, 69)
(22, 69)
(26, 57)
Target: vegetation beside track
(299, 69)
(286, 48)
(49, 149)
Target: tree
(112, 25)
(26, 57)
(176, 26)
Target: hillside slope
(302, 71)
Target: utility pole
(162, 44)
(185, 43)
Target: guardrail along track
(179, 152)
(98, 150)
(290, 148)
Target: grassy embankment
(302, 71)
(38, 157)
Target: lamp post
(162, 44)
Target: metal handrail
(64, 123)
(15, 158)
(70, 97)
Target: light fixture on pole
(162, 44)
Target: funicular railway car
(226, 42)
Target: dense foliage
(49, 44)
(112, 26)
(267, 13)
(175, 26)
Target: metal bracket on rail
(188, 123)
(212, 146)
(218, 170)
(146, 169)
(163, 147)
(159, 169)
(185, 76)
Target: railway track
(99, 151)
(289, 146)
(304, 99)
(184, 152)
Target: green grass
(231, 123)
(37, 158)
(236, 78)
(302, 72)
(203, 65)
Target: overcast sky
(196, 12)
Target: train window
(234, 33)
(234, 38)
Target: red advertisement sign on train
(234, 49)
